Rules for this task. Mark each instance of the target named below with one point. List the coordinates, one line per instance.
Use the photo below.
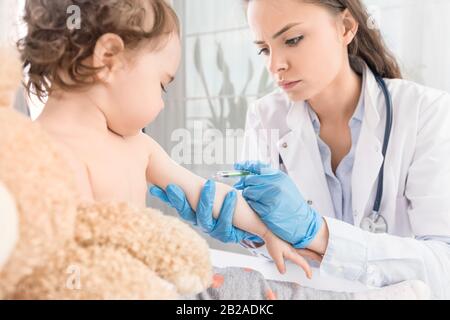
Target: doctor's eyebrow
(279, 33)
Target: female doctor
(363, 156)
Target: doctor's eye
(294, 41)
(263, 51)
(163, 88)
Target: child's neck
(76, 109)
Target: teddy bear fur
(71, 250)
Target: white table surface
(295, 274)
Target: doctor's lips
(287, 85)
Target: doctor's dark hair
(54, 52)
(368, 44)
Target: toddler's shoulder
(150, 146)
(143, 140)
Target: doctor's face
(301, 43)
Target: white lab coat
(416, 198)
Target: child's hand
(309, 254)
(281, 250)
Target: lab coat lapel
(368, 156)
(301, 156)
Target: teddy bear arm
(165, 244)
(93, 273)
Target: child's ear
(108, 55)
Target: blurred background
(221, 73)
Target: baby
(104, 80)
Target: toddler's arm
(162, 171)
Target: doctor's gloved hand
(222, 228)
(276, 199)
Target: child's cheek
(141, 99)
(154, 109)
(149, 106)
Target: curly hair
(53, 53)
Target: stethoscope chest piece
(374, 224)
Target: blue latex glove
(276, 199)
(221, 229)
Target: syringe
(231, 174)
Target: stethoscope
(375, 222)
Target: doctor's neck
(337, 103)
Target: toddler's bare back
(108, 167)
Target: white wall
(10, 26)
(418, 32)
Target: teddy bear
(52, 246)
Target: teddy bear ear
(9, 227)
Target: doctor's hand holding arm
(215, 220)
(220, 228)
(276, 199)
